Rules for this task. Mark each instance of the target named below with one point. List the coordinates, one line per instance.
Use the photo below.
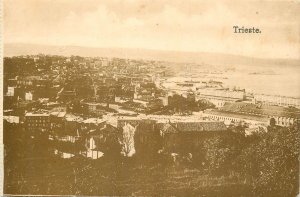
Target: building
(165, 100)
(31, 81)
(37, 121)
(12, 119)
(103, 141)
(254, 114)
(229, 118)
(145, 91)
(219, 96)
(28, 96)
(146, 136)
(147, 139)
(187, 137)
(95, 108)
(130, 127)
(67, 95)
(57, 121)
(277, 100)
(10, 91)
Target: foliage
(221, 151)
(263, 164)
(181, 104)
(272, 160)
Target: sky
(185, 25)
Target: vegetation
(232, 164)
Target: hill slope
(172, 56)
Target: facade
(136, 134)
(67, 95)
(37, 121)
(229, 118)
(255, 114)
(147, 139)
(10, 91)
(277, 100)
(186, 137)
(28, 96)
(220, 96)
(103, 141)
(95, 108)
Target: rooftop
(260, 110)
(37, 114)
(93, 121)
(58, 114)
(238, 115)
(193, 126)
(71, 117)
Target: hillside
(172, 56)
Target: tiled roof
(168, 128)
(133, 122)
(262, 110)
(200, 126)
(93, 121)
(105, 130)
(30, 114)
(193, 127)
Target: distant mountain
(14, 49)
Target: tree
(272, 122)
(221, 151)
(272, 160)
(127, 140)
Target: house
(67, 95)
(28, 96)
(139, 136)
(10, 91)
(37, 121)
(102, 141)
(12, 119)
(147, 139)
(57, 120)
(66, 134)
(95, 108)
(92, 123)
(62, 129)
(31, 81)
(187, 137)
(145, 91)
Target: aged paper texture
(150, 98)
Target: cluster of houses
(97, 87)
(66, 79)
(93, 137)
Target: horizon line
(158, 50)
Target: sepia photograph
(150, 98)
